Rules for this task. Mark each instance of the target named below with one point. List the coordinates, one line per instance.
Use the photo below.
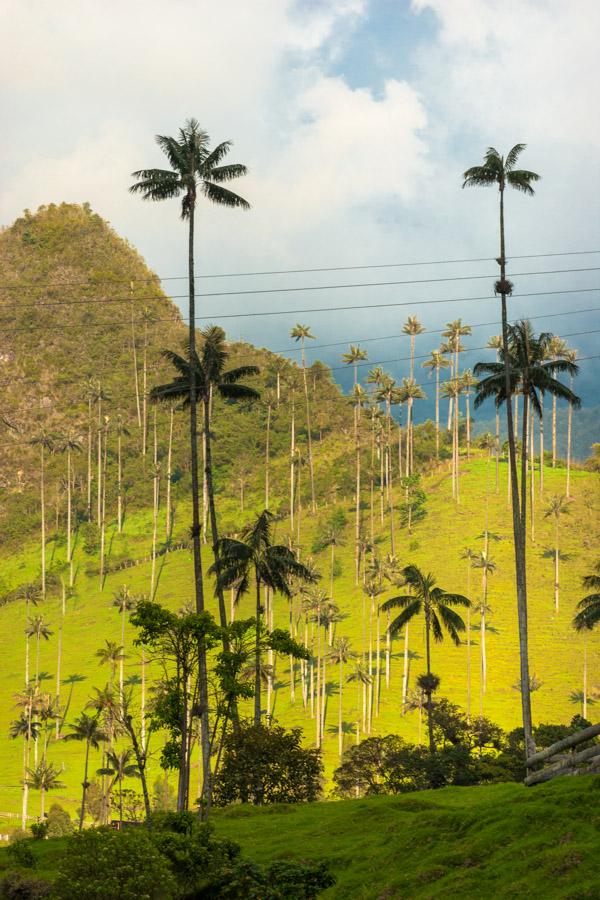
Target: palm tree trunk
(405, 669)
(468, 425)
(99, 465)
(145, 391)
(584, 705)
(69, 547)
(532, 474)
(483, 674)
(84, 785)
(323, 696)
(198, 584)
(119, 483)
(553, 431)
(497, 445)
(388, 652)
(169, 472)
(437, 414)
(89, 462)
(143, 702)
(213, 519)
(542, 461)
(569, 435)
(292, 461)
(135, 365)
(155, 501)
(429, 700)
(308, 434)
(521, 574)
(58, 666)
(556, 554)
(267, 456)
(357, 516)
(318, 691)
(122, 654)
(257, 658)
(43, 521)
(377, 665)
(340, 709)
(102, 517)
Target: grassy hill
(470, 842)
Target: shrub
(268, 765)
(100, 863)
(21, 853)
(39, 830)
(20, 886)
(59, 821)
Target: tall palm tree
(269, 401)
(452, 389)
(118, 766)
(469, 555)
(340, 654)
(411, 391)
(44, 777)
(495, 343)
(301, 333)
(353, 357)
(38, 627)
(571, 357)
(359, 400)
(468, 382)
(487, 566)
(211, 378)
(123, 601)
(454, 346)
(27, 727)
(110, 654)
(559, 506)
(194, 169)
(270, 565)
(412, 327)
(280, 368)
(70, 444)
(86, 728)
(46, 444)
(332, 538)
(121, 432)
(557, 349)
(364, 680)
(435, 363)
(435, 604)
(501, 171)
(31, 594)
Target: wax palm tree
(211, 378)
(122, 431)
(502, 172)
(86, 728)
(340, 654)
(353, 357)
(332, 538)
(359, 400)
(364, 680)
(32, 595)
(469, 555)
(293, 385)
(301, 333)
(436, 606)
(269, 401)
(557, 349)
(27, 727)
(118, 766)
(412, 327)
(410, 392)
(44, 777)
(495, 343)
(123, 601)
(255, 557)
(435, 363)
(559, 506)
(486, 564)
(70, 444)
(280, 367)
(571, 357)
(38, 627)
(416, 701)
(110, 654)
(46, 444)
(468, 382)
(454, 332)
(194, 169)
(588, 614)
(452, 389)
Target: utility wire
(318, 287)
(394, 265)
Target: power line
(320, 287)
(393, 265)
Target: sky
(356, 119)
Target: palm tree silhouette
(254, 556)
(123, 601)
(412, 327)
(501, 171)
(211, 379)
(435, 363)
(37, 627)
(86, 728)
(353, 357)
(301, 333)
(436, 605)
(340, 654)
(44, 777)
(118, 766)
(110, 654)
(559, 506)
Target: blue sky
(356, 118)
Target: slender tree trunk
(388, 652)
(119, 483)
(497, 452)
(437, 414)
(569, 436)
(89, 462)
(135, 365)
(267, 456)
(43, 520)
(122, 660)
(340, 712)
(521, 574)
(429, 700)
(198, 584)
(57, 722)
(213, 519)
(143, 702)
(584, 705)
(102, 518)
(85, 785)
(318, 692)
(357, 516)
(292, 461)
(553, 431)
(308, 435)
(405, 669)
(169, 473)
(155, 501)
(542, 460)
(556, 555)
(257, 658)
(69, 505)
(145, 391)
(532, 474)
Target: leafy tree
(44, 777)
(267, 765)
(501, 171)
(59, 821)
(436, 606)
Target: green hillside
(468, 842)
(72, 247)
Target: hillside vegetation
(94, 340)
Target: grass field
(500, 841)
(556, 652)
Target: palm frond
(227, 173)
(215, 156)
(512, 156)
(220, 195)
(405, 616)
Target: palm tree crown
(194, 168)
(499, 170)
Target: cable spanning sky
(356, 119)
